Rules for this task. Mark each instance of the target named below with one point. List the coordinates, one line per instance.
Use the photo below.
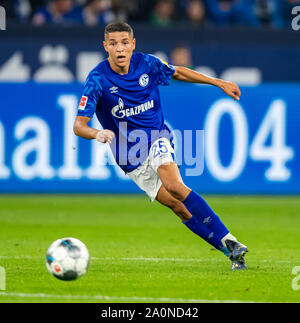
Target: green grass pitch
(141, 252)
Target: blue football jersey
(129, 105)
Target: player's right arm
(82, 129)
(91, 94)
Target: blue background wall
(250, 146)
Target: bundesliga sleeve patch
(83, 103)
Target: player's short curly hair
(117, 27)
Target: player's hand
(105, 136)
(231, 89)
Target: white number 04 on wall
(273, 125)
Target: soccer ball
(67, 259)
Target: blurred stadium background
(49, 47)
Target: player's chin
(122, 62)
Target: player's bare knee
(176, 189)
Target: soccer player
(123, 92)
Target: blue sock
(201, 230)
(209, 226)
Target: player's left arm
(187, 75)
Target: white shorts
(146, 176)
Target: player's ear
(104, 45)
(134, 42)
